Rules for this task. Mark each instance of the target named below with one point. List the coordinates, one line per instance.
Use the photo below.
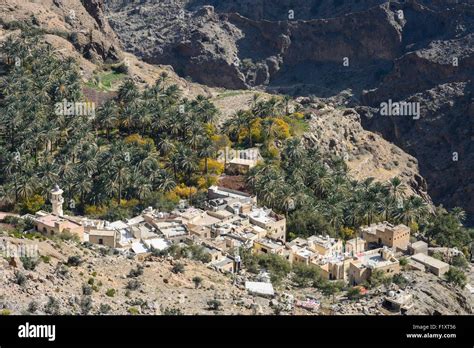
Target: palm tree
(107, 117)
(419, 207)
(207, 150)
(459, 214)
(386, 206)
(166, 146)
(397, 188)
(286, 100)
(166, 182)
(127, 92)
(293, 152)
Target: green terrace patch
(106, 81)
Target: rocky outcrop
(83, 23)
(233, 51)
(442, 140)
(339, 131)
(249, 43)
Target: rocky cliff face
(82, 23)
(367, 154)
(237, 44)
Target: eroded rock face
(237, 44)
(442, 140)
(229, 50)
(339, 131)
(83, 23)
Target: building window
(101, 241)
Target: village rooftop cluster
(233, 221)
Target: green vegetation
(152, 147)
(136, 272)
(110, 292)
(74, 261)
(45, 258)
(172, 311)
(194, 252)
(32, 307)
(214, 304)
(333, 288)
(354, 293)
(133, 284)
(460, 261)
(307, 275)
(403, 261)
(104, 308)
(317, 196)
(106, 80)
(197, 281)
(445, 229)
(29, 263)
(400, 280)
(20, 278)
(86, 289)
(277, 266)
(52, 307)
(266, 123)
(85, 305)
(178, 268)
(456, 276)
(133, 311)
(141, 148)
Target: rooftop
(260, 288)
(425, 259)
(225, 192)
(157, 243)
(171, 228)
(372, 259)
(50, 220)
(262, 215)
(104, 233)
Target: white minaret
(57, 200)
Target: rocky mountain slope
(414, 50)
(339, 131)
(99, 285)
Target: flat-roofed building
(274, 224)
(387, 234)
(268, 246)
(362, 266)
(223, 192)
(418, 247)
(54, 225)
(107, 237)
(431, 264)
(325, 245)
(355, 245)
(303, 255)
(333, 268)
(173, 230)
(224, 265)
(241, 161)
